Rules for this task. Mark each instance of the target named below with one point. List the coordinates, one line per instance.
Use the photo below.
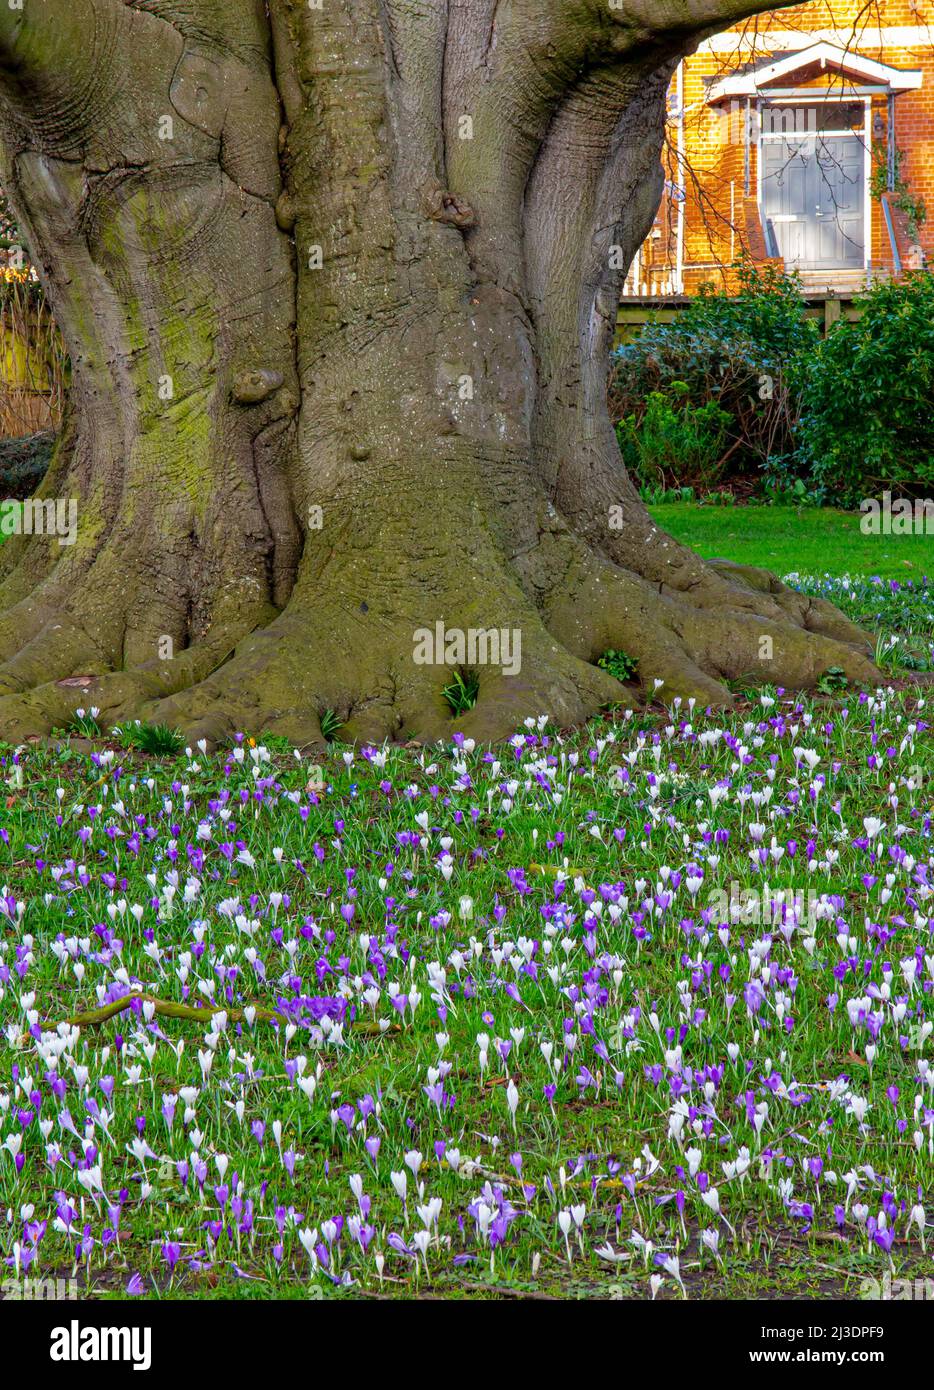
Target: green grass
(592, 905)
(462, 692)
(808, 540)
(158, 740)
(464, 885)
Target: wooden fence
(634, 313)
(33, 364)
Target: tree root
(766, 634)
(345, 644)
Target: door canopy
(793, 71)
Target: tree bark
(337, 281)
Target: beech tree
(338, 280)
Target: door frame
(803, 97)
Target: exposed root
(283, 678)
(814, 614)
(46, 704)
(352, 653)
(695, 649)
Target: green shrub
(902, 194)
(158, 740)
(331, 725)
(24, 463)
(739, 354)
(867, 393)
(674, 439)
(810, 420)
(655, 495)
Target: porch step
(842, 282)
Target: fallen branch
(95, 1017)
(168, 1009)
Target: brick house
(804, 138)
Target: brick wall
(719, 225)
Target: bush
(867, 392)
(739, 355)
(674, 439)
(24, 463)
(808, 419)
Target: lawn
(809, 540)
(641, 1011)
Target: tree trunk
(337, 280)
